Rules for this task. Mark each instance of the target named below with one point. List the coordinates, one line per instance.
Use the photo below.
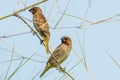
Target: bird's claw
(41, 41)
(61, 69)
(58, 68)
(34, 32)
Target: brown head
(35, 10)
(66, 40)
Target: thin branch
(51, 8)
(72, 68)
(9, 15)
(88, 8)
(89, 5)
(26, 18)
(75, 17)
(107, 19)
(11, 48)
(14, 72)
(20, 66)
(58, 2)
(62, 14)
(118, 65)
(33, 78)
(84, 51)
(80, 45)
(17, 34)
(22, 58)
(69, 27)
(10, 62)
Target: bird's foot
(41, 41)
(58, 68)
(61, 69)
(34, 33)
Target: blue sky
(97, 39)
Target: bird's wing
(59, 55)
(41, 24)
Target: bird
(60, 54)
(41, 26)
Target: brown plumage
(41, 25)
(60, 54)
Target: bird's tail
(46, 40)
(45, 70)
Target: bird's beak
(62, 39)
(30, 10)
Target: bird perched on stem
(59, 54)
(41, 26)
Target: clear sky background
(94, 41)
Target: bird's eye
(65, 38)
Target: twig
(20, 66)
(9, 15)
(107, 19)
(11, 48)
(75, 17)
(71, 68)
(17, 34)
(62, 15)
(9, 60)
(10, 63)
(14, 72)
(118, 65)
(78, 27)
